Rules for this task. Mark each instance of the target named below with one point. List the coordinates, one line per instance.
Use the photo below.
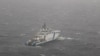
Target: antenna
(44, 26)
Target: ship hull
(44, 35)
(49, 38)
(52, 39)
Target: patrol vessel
(43, 36)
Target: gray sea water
(78, 20)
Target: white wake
(67, 38)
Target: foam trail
(67, 38)
(61, 38)
(42, 55)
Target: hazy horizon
(78, 20)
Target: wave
(67, 38)
(42, 55)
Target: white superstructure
(44, 35)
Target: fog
(70, 16)
(66, 12)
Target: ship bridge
(44, 35)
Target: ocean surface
(78, 20)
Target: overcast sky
(75, 12)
